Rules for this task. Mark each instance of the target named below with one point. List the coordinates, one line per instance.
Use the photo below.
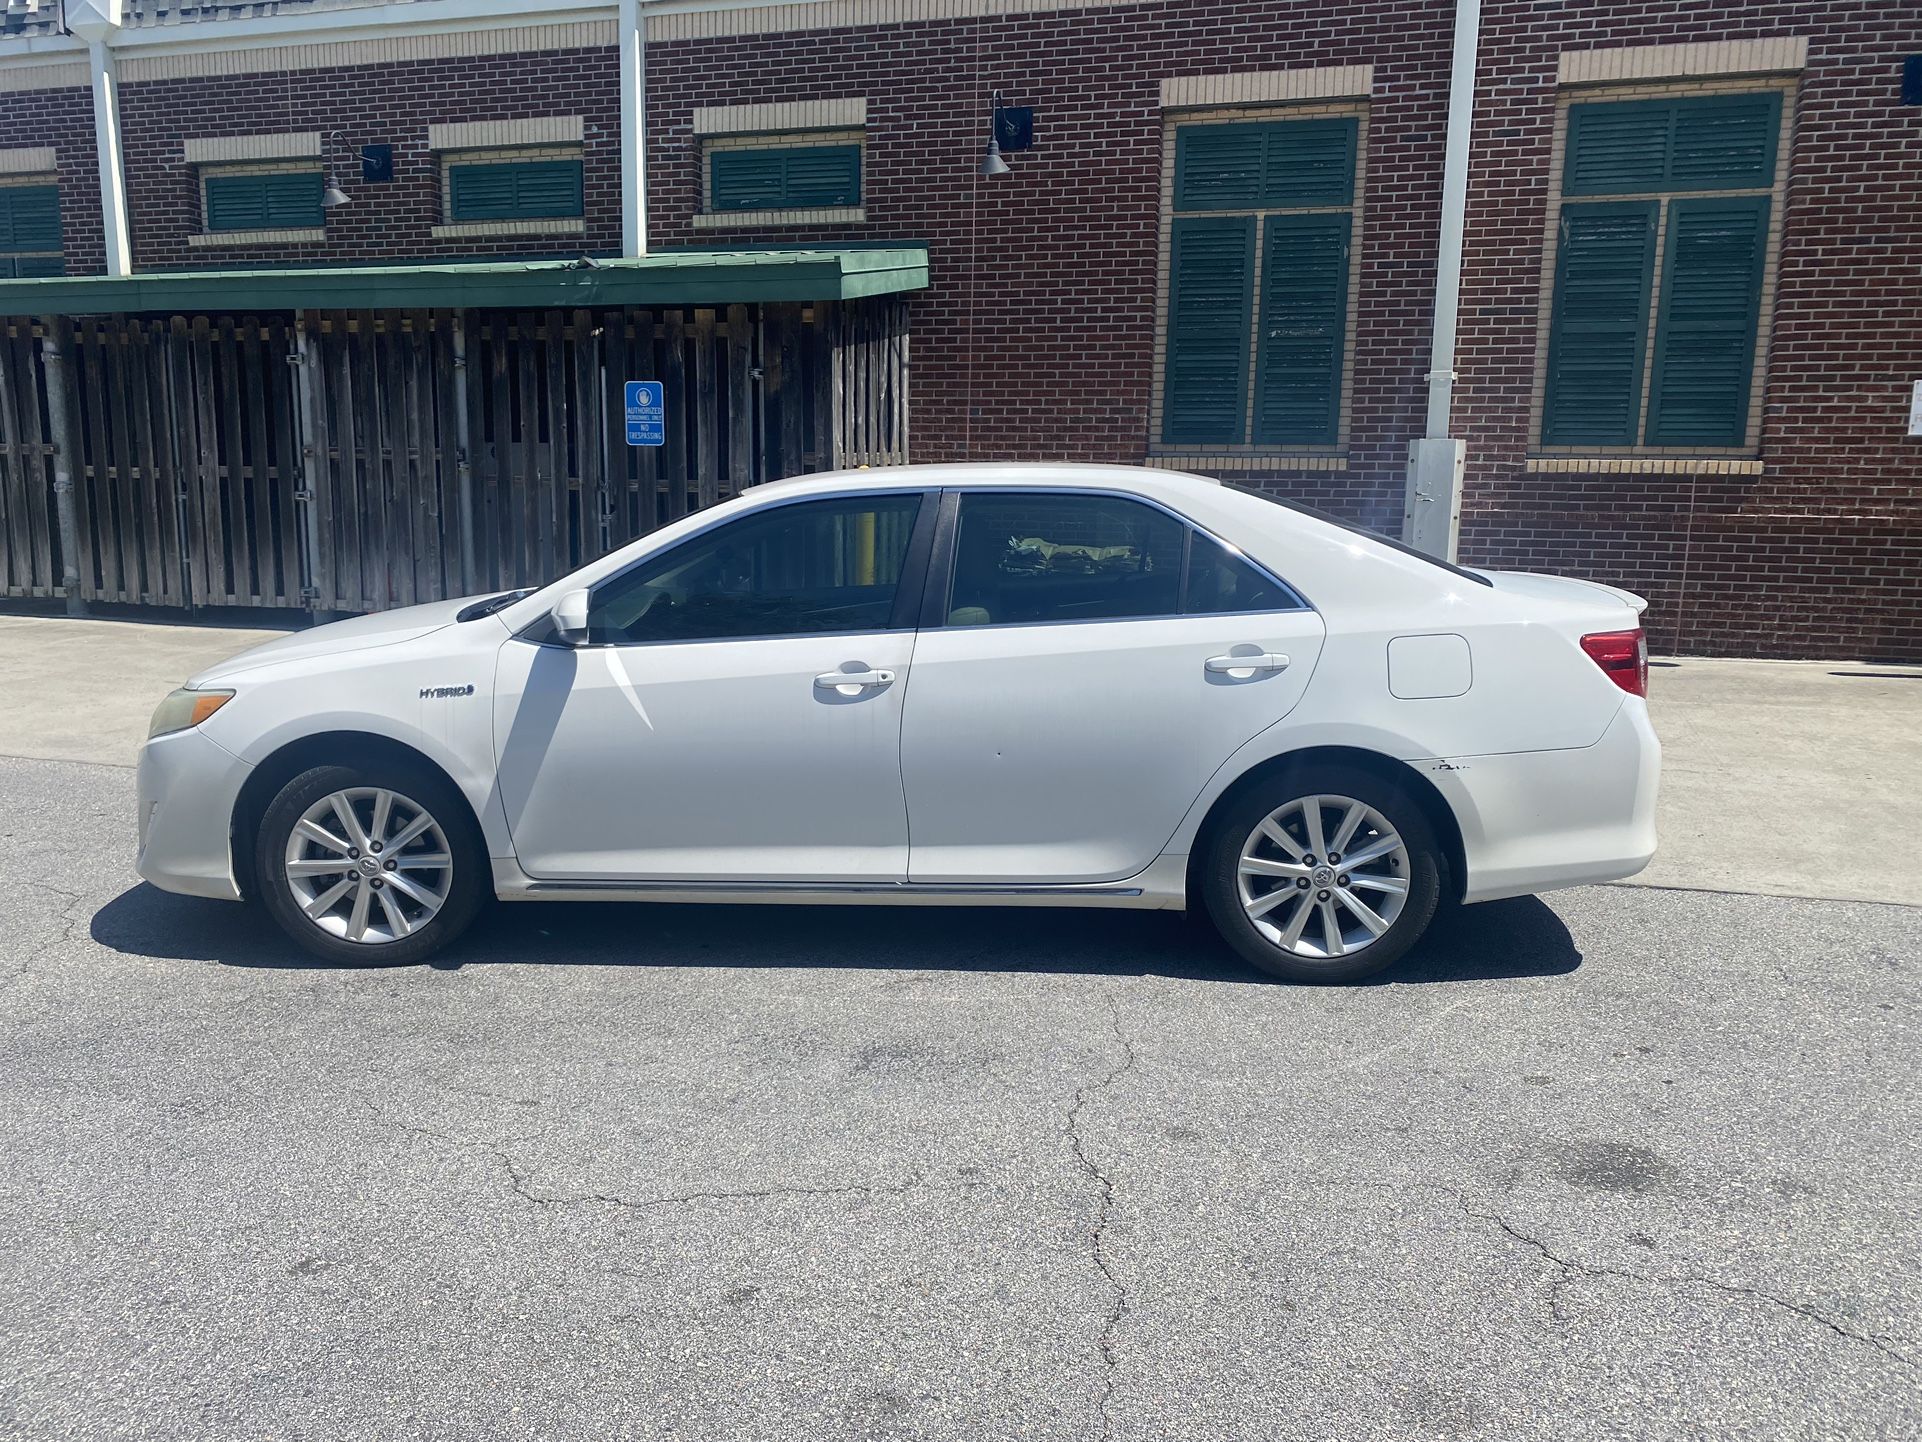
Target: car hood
(340, 638)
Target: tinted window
(1220, 581)
(1063, 558)
(795, 570)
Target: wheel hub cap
(1318, 911)
(368, 865)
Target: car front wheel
(1325, 875)
(366, 868)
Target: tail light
(1623, 655)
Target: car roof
(999, 473)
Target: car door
(1086, 663)
(736, 712)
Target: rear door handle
(1231, 665)
(852, 681)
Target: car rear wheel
(1325, 875)
(370, 867)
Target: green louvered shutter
(236, 202)
(1603, 267)
(822, 175)
(32, 267)
(1725, 142)
(1705, 338)
(748, 179)
(1617, 149)
(1304, 320)
(291, 199)
(807, 177)
(514, 190)
(1309, 162)
(29, 217)
(547, 189)
(1219, 167)
(1210, 284)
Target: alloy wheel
(368, 865)
(1323, 877)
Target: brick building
(1690, 312)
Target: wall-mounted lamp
(333, 196)
(992, 164)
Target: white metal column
(1431, 519)
(633, 43)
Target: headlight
(184, 709)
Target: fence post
(463, 457)
(56, 356)
(311, 461)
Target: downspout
(1431, 521)
(98, 23)
(633, 43)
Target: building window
(493, 189)
(30, 231)
(257, 199)
(1668, 212)
(1259, 279)
(798, 177)
(774, 178)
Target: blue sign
(646, 414)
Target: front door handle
(1246, 665)
(848, 683)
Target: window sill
(824, 215)
(1171, 460)
(1644, 465)
(552, 225)
(293, 235)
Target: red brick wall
(1035, 337)
(1822, 554)
(63, 119)
(391, 104)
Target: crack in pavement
(1570, 1269)
(523, 1186)
(1097, 1253)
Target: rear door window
(1022, 559)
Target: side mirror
(570, 619)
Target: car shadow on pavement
(1502, 939)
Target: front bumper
(186, 786)
(1539, 820)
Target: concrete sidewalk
(1788, 778)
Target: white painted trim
(385, 49)
(847, 113)
(822, 215)
(225, 149)
(552, 225)
(1774, 54)
(507, 134)
(1260, 87)
(28, 160)
(16, 76)
(291, 235)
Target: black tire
(1221, 882)
(468, 887)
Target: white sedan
(933, 685)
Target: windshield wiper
(492, 604)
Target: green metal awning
(668, 278)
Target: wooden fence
(353, 461)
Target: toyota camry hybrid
(933, 685)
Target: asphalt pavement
(1617, 1163)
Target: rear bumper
(185, 787)
(1538, 820)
